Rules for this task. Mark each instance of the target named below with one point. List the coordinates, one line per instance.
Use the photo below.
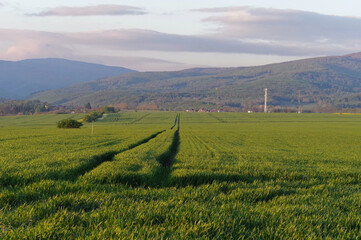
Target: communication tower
(265, 100)
(299, 102)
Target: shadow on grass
(209, 178)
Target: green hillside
(349, 101)
(321, 81)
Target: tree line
(26, 107)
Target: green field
(167, 175)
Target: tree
(12, 107)
(88, 106)
(108, 109)
(92, 116)
(40, 108)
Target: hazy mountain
(321, 81)
(19, 79)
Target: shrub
(90, 117)
(69, 123)
(108, 109)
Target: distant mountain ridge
(21, 78)
(322, 81)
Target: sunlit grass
(225, 176)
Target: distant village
(204, 110)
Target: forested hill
(20, 79)
(322, 81)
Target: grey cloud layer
(143, 40)
(240, 30)
(92, 11)
(284, 25)
(156, 41)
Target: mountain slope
(350, 101)
(19, 79)
(321, 80)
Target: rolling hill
(20, 79)
(349, 101)
(324, 80)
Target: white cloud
(92, 11)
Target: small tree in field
(92, 116)
(108, 109)
(69, 123)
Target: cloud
(92, 11)
(151, 48)
(307, 32)
(236, 31)
(25, 44)
(137, 63)
(283, 25)
(140, 40)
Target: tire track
(175, 121)
(167, 158)
(159, 175)
(107, 157)
(139, 119)
(74, 173)
(220, 120)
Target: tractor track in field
(159, 177)
(106, 157)
(75, 173)
(166, 159)
(176, 121)
(139, 119)
(220, 120)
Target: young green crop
(217, 176)
(31, 153)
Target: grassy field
(164, 175)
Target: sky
(159, 35)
